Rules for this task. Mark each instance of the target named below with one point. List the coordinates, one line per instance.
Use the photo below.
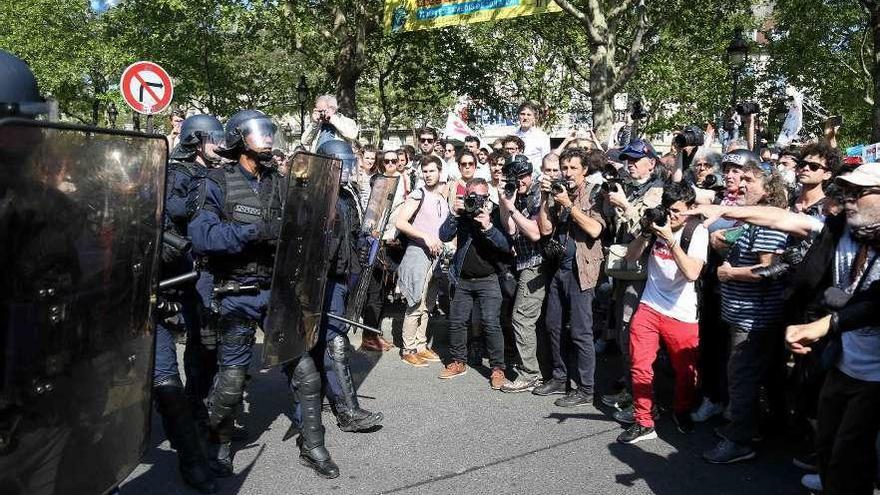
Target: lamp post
(302, 94)
(112, 113)
(737, 56)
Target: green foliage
(820, 46)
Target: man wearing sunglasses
(841, 266)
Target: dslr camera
(792, 255)
(516, 167)
(748, 108)
(511, 184)
(713, 182)
(690, 136)
(612, 179)
(474, 204)
(656, 215)
(559, 186)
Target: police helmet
(249, 130)
(19, 93)
(342, 151)
(198, 130)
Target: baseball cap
(867, 175)
(638, 149)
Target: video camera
(690, 136)
(474, 204)
(748, 108)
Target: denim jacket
(466, 231)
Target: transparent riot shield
(376, 217)
(296, 298)
(80, 212)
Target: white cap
(867, 175)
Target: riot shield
(296, 297)
(80, 212)
(376, 218)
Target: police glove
(268, 231)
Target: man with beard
(236, 227)
(841, 267)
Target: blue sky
(102, 5)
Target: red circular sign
(146, 87)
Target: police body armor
(244, 205)
(80, 215)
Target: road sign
(146, 87)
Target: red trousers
(681, 339)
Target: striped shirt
(528, 253)
(753, 305)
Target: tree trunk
(601, 78)
(875, 72)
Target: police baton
(178, 280)
(353, 323)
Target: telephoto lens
(656, 215)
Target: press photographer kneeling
(574, 223)
(668, 308)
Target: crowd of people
(746, 269)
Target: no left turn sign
(146, 87)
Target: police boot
(222, 403)
(306, 384)
(181, 430)
(349, 415)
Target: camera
(714, 182)
(690, 136)
(559, 186)
(612, 179)
(510, 186)
(474, 204)
(792, 255)
(638, 111)
(656, 215)
(748, 108)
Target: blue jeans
(566, 302)
(487, 292)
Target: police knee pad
(337, 348)
(228, 391)
(305, 378)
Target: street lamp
(112, 113)
(737, 55)
(302, 94)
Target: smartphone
(835, 121)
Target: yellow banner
(411, 15)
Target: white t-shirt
(537, 146)
(860, 358)
(668, 291)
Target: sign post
(147, 89)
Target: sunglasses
(813, 166)
(426, 140)
(465, 164)
(386, 160)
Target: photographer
(668, 310)
(520, 202)
(630, 197)
(705, 177)
(482, 249)
(839, 271)
(574, 223)
(327, 124)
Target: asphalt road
(459, 436)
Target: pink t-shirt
(431, 214)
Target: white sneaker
(812, 482)
(706, 410)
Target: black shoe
(220, 459)
(684, 423)
(575, 398)
(359, 420)
(636, 433)
(318, 459)
(550, 387)
(239, 432)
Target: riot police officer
(346, 249)
(236, 227)
(179, 308)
